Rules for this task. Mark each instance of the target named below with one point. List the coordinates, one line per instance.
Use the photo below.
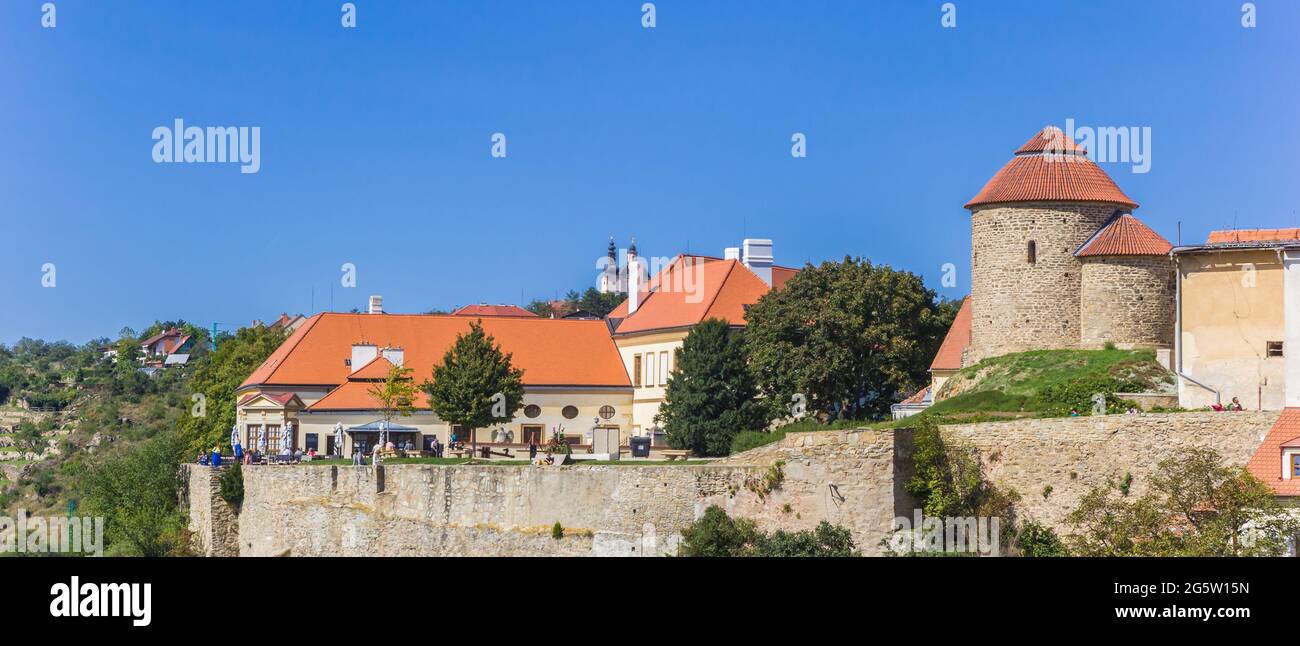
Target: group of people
(1235, 405)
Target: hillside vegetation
(1052, 382)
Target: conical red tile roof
(1050, 167)
(1125, 236)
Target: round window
(569, 412)
(532, 410)
(606, 411)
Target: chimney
(1291, 325)
(395, 356)
(731, 253)
(757, 255)
(363, 353)
(376, 304)
(633, 282)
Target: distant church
(613, 276)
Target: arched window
(1033, 252)
(569, 412)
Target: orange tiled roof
(917, 397)
(483, 309)
(376, 369)
(956, 341)
(1266, 464)
(1051, 168)
(355, 395)
(551, 352)
(1253, 235)
(1125, 236)
(693, 288)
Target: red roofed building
(1276, 462)
(483, 309)
(662, 308)
(320, 378)
(1059, 261)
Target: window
(272, 438)
(663, 368)
(532, 410)
(636, 370)
(650, 369)
(1033, 252)
(1295, 465)
(532, 434)
(1274, 349)
(569, 412)
(606, 411)
(254, 437)
(311, 443)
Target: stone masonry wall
(1017, 306)
(1074, 454)
(473, 510)
(213, 522)
(851, 478)
(1128, 301)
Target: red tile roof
(376, 369)
(1125, 236)
(1253, 235)
(956, 341)
(355, 395)
(551, 352)
(1267, 464)
(483, 309)
(1051, 168)
(917, 397)
(693, 288)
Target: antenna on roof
(1179, 237)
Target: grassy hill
(1052, 382)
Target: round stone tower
(1128, 287)
(1026, 225)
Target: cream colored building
(651, 325)
(1238, 320)
(320, 379)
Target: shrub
(232, 485)
(1038, 540)
(717, 534)
(557, 531)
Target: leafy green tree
(1195, 506)
(29, 436)
(596, 302)
(851, 337)
(826, 540)
(395, 394)
(711, 395)
(136, 493)
(717, 534)
(476, 384)
(232, 484)
(218, 376)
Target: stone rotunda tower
(1027, 224)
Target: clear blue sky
(375, 140)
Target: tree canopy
(216, 379)
(475, 385)
(710, 395)
(851, 337)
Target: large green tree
(850, 337)
(1195, 506)
(475, 385)
(217, 377)
(136, 493)
(711, 395)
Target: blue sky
(375, 141)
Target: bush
(716, 534)
(232, 485)
(557, 531)
(1038, 540)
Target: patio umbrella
(286, 436)
(234, 436)
(383, 434)
(261, 439)
(338, 438)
